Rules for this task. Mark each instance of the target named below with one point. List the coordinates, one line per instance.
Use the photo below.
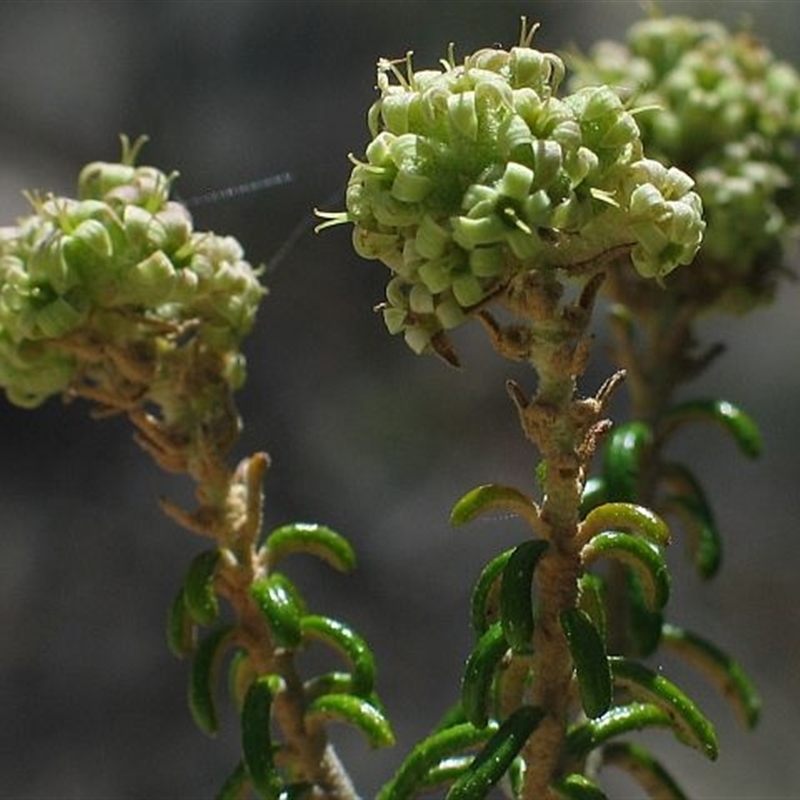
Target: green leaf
(516, 594)
(347, 642)
(644, 769)
(485, 603)
(203, 677)
(317, 540)
(720, 669)
(688, 502)
(199, 594)
(731, 418)
(625, 455)
(237, 786)
(497, 755)
(689, 723)
(429, 754)
(241, 673)
(277, 599)
(354, 710)
(181, 630)
(590, 659)
(626, 517)
(256, 735)
(643, 625)
(617, 721)
(445, 772)
(494, 497)
(578, 787)
(476, 685)
(646, 559)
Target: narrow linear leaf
(643, 624)
(181, 630)
(578, 787)
(618, 721)
(625, 455)
(257, 736)
(328, 683)
(485, 602)
(626, 517)
(354, 710)
(479, 672)
(688, 502)
(317, 540)
(241, 673)
(646, 559)
(445, 772)
(203, 678)
(644, 769)
(690, 725)
(493, 497)
(497, 755)
(728, 416)
(431, 752)
(591, 661)
(347, 642)
(237, 786)
(199, 595)
(720, 669)
(277, 599)
(516, 594)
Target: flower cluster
(118, 264)
(728, 112)
(479, 171)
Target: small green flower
(722, 108)
(119, 265)
(478, 171)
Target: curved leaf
(241, 673)
(689, 723)
(317, 540)
(628, 518)
(591, 600)
(617, 721)
(497, 755)
(494, 497)
(594, 494)
(181, 630)
(516, 594)
(731, 418)
(485, 602)
(199, 594)
(643, 624)
(346, 641)
(203, 677)
(256, 735)
(578, 787)
(354, 710)
(721, 670)
(625, 455)
(431, 752)
(639, 555)
(688, 502)
(590, 659)
(476, 685)
(644, 769)
(276, 596)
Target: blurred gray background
(364, 436)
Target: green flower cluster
(728, 113)
(118, 264)
(478, 171)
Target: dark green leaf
(516, 594)
(578, 787)
(644, 769)
(354, 710)
(200, 596)
(479, 672)
(590, 659)
(485, 605)
(181, 630)
(277, 599)
(257, 737)
(203, 678)
(497, 755)
(626, 453)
